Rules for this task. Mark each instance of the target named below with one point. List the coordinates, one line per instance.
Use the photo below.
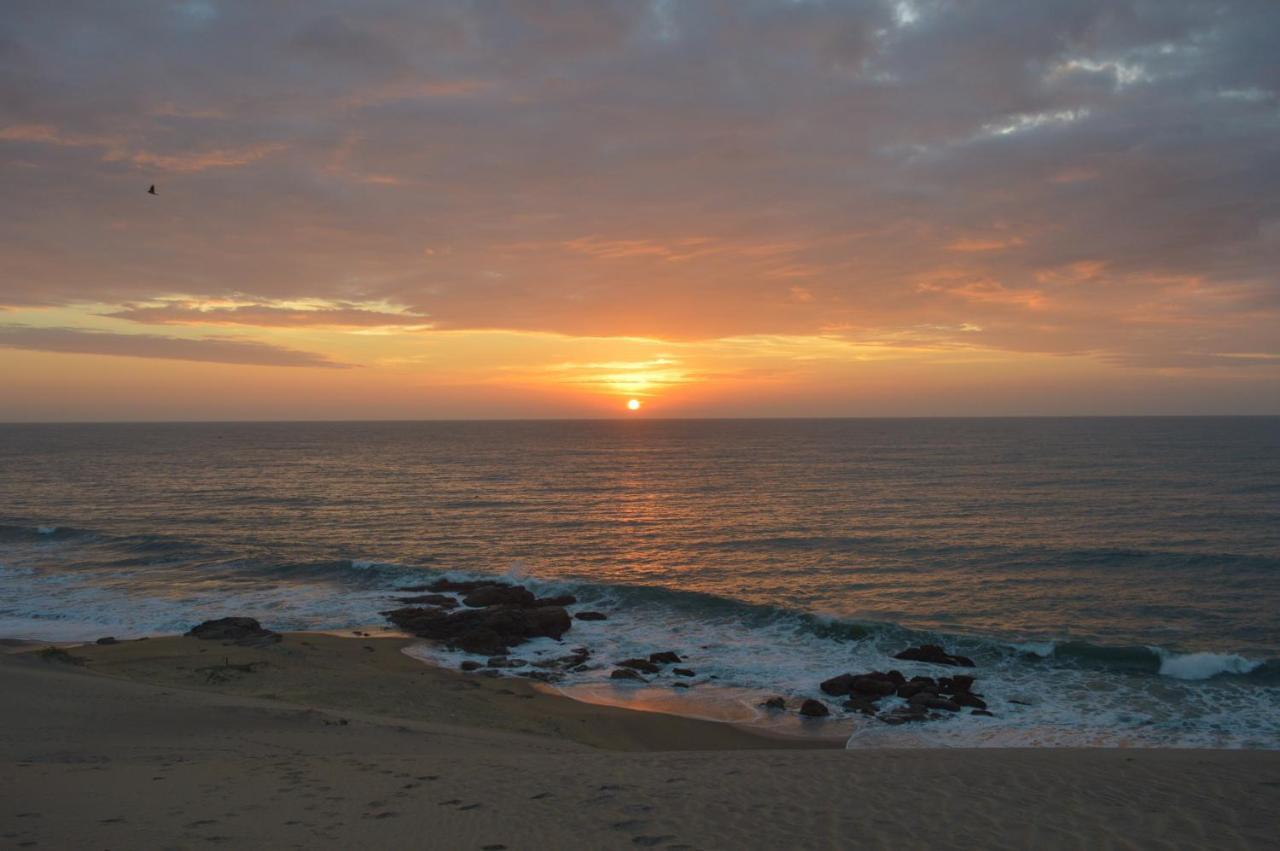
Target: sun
(633, 404)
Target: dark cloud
(207, 349)
(1055, 174)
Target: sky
(386, 210)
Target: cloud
(268, 316)
(691, 170)
(206, 349)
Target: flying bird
(152, 190)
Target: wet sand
(326, 742)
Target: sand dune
(364, 748)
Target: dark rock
(243, 631)
(591, 616)
(895, 677)
(440, 600)
(935, 655)
(470, 665)
(966, 698)
(909, 690)
(872, 685)
(680, 685)
(983, 712)
(943, 703)
(683, 672)
(465, 586)
(626, 674)
(775, 703)
(561, 600)
(922, 698)
(639, 665)
(837, 686)
(666, 657)
(814, 709)
(499, 595)
(488, 631)
(961, 683)
(110, 639)
(479, 640)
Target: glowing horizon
(547, 210)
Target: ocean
(1116, 580)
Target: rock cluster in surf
(489, 618)
(496, 617)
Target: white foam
(1202, 666)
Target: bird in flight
(152, 190)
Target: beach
(326, 741)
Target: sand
(332, 745)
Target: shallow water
(1123, 574)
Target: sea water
(1116, 580)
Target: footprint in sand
(471, 807)
(540, 796)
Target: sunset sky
(501, 209)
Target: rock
(591, 616)
(966, 698)
(680, 685)
(109, 639)
(626, 674)
(465, 586)
(935, 655)
(814, 709)
(488, 631)
(640, 665)
(983, 712)
(561, 600)
(778, 703)
(666, 657)
(470, 665)
(499, 595)
(943, 703)
(837, 686)
(480, 640)
(896, 677)
(244, 631)
(921, 698)
(440, 600)
(961, 683)
(872, 685)
(909, 690)
(683, 672)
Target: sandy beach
(328, 742)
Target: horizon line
(641, 418)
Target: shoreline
(319, 742)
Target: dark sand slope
(92, 761)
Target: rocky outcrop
(488, 631)
(666, 657)
(591, 616)
(246, 632)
